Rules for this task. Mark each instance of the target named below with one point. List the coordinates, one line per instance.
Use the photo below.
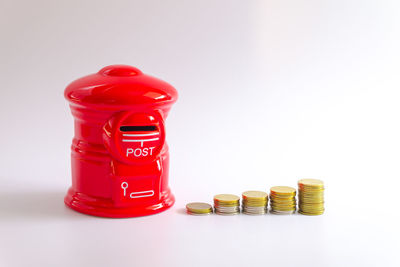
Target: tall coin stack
(254, 202)
(311, 196)
(283, 200)
(227, 204)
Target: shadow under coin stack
(199, 208)
(227, 204)
(311, 196)
(254, 202)
(283, 200)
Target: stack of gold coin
(283, 200)
(199, 208)
(254, 202)
(311, 196)
(227, 204)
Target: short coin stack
(199, 208)
(283, 200)
(227, 204)
(311, 196)
(254, 202)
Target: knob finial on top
(120, 70)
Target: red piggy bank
(119, 156)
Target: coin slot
(141, 128)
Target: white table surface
(270, 92)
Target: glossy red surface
(119, 156)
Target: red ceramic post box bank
(119, 156)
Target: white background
(270, 92)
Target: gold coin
(311, 182)
(302, 195)
(283, 200)
(223, 204)
(283, 190)
(278, 199)
(255, 201)
(310, 201)
(226, 198)
(282, 209)
(255, 205)
(283, 197)
(311, 188)
(311, 213)
(311, 197)
(306, 190)
(254, 195)
(311, 207)
(199, 207)
(283, 204)
(303, 190)
(306, 204)
(311, 210)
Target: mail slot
(119, 158)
